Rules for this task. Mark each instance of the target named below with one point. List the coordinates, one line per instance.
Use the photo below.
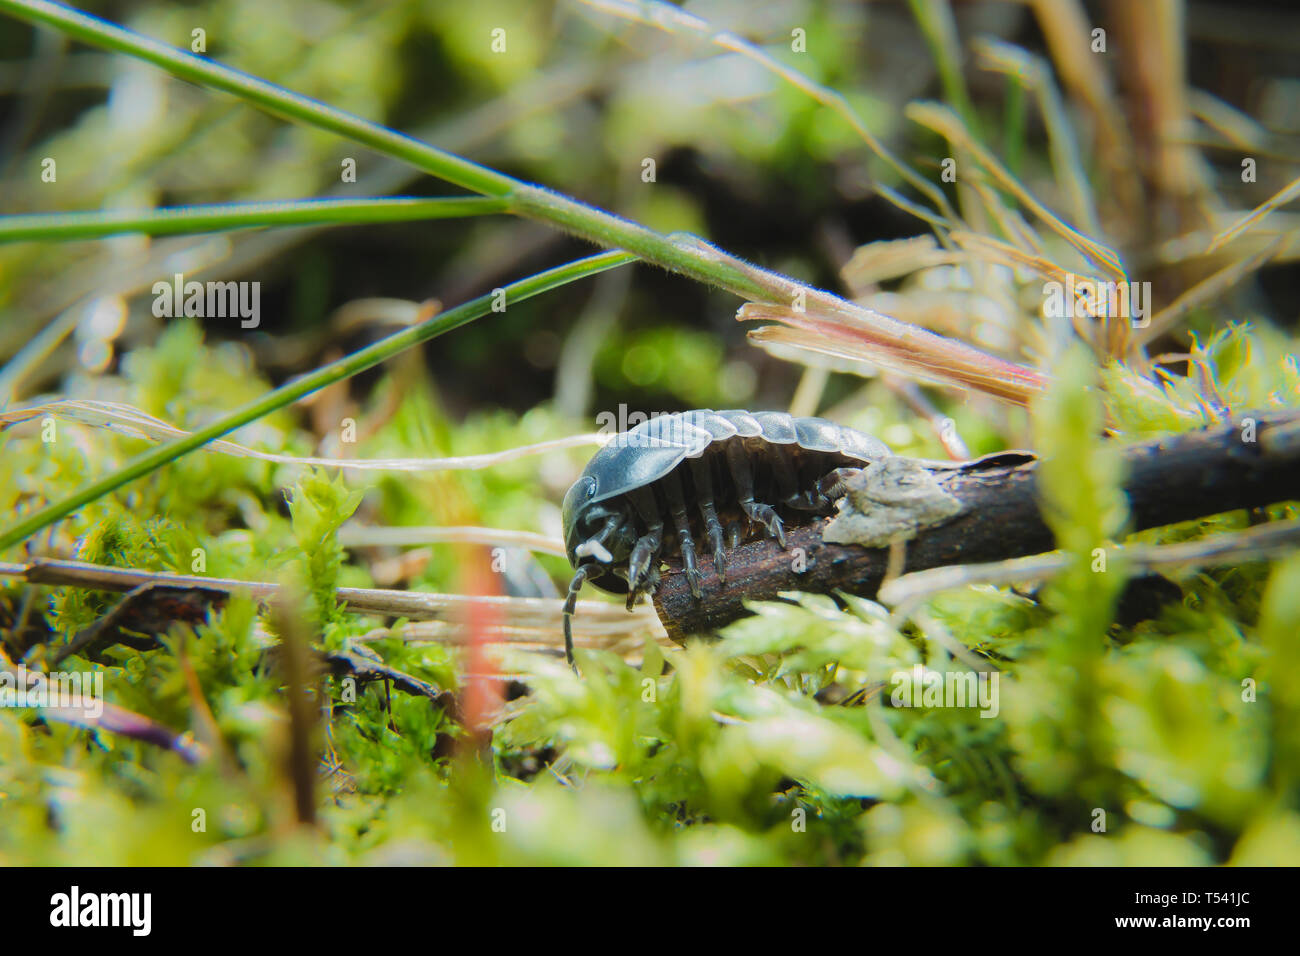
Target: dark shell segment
(652, 450)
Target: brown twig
(412, 605)
(1172, 479)
(94, 713)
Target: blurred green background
(740, 750)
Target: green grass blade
(268, 96)
(602, 228)
(218, 217)
(935, 19)
(298, 388)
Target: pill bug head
(597, 533)
(598, 538)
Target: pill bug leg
(743, 477)
(781, 461)
(823, 494)
(640, 578)
(703, 480)
(832, 487)
(646, 550)
(651, 580)
(672, 486)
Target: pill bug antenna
(570, 604)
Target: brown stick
(1173, 479)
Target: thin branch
(93, 713)
(1174, 479)
(413, 605)
(1275, 539)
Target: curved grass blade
(525, 199)
(678, 252)
(298, 388)
(218, 217)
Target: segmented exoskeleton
(699, 476)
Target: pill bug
(693, 476)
